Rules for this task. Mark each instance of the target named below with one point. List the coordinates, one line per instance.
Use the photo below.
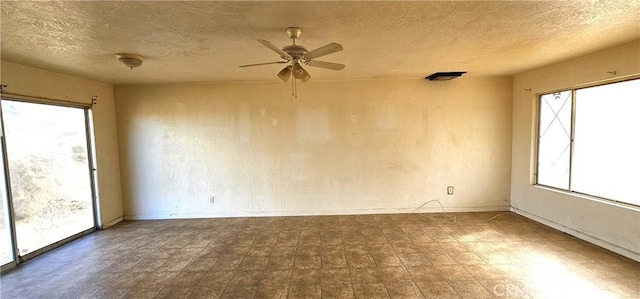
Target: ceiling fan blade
(264, 63)
(271, 46)
(326, 65)
(324, 50)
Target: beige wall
(616, 227)
(371, 146)
(27, 81)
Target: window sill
(600, 200)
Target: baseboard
(314, 213)
(581, 235)
(112, 222)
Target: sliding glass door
(49, 166)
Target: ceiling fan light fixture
(285, 73)
(306, 78)
(130, 60)
(299, 72)
(444, 76)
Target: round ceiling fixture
(130, 60)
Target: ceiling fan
(295, 55)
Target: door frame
(9, 199)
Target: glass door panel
(49, 169)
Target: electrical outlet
(212, 199)
(449, 190)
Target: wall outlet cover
(450, 190)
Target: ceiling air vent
(442, 76)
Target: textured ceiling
(206, 41)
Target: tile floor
(365, 256)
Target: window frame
(536, 137)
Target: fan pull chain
(294, 90)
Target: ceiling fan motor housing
(296, 51)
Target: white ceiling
(206, 41)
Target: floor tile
(337, 291)
(272, 292)
(365, 275)
(425, 273)
(246, 278)
(371, 291)
(305, 292)
(360, 261)
(206, 292)
(437, 289)
(394, 274)
(239, 292)
(336, 276)
(220, 277)
(334, 261)
(253, 263)
(306, 277)
(470, 289)
(174, 293)
(308, 262)
(404, 291)
(276, 277)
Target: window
(588, 141)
